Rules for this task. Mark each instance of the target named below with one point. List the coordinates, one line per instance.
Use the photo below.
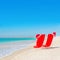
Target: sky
(29, 17)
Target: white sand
(30, 53)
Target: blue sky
(29, 17)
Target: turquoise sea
(2, 40)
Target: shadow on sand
(50, 47)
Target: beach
(30, 53)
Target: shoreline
(10, 47)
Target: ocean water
(10, 45)
(3, 40)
